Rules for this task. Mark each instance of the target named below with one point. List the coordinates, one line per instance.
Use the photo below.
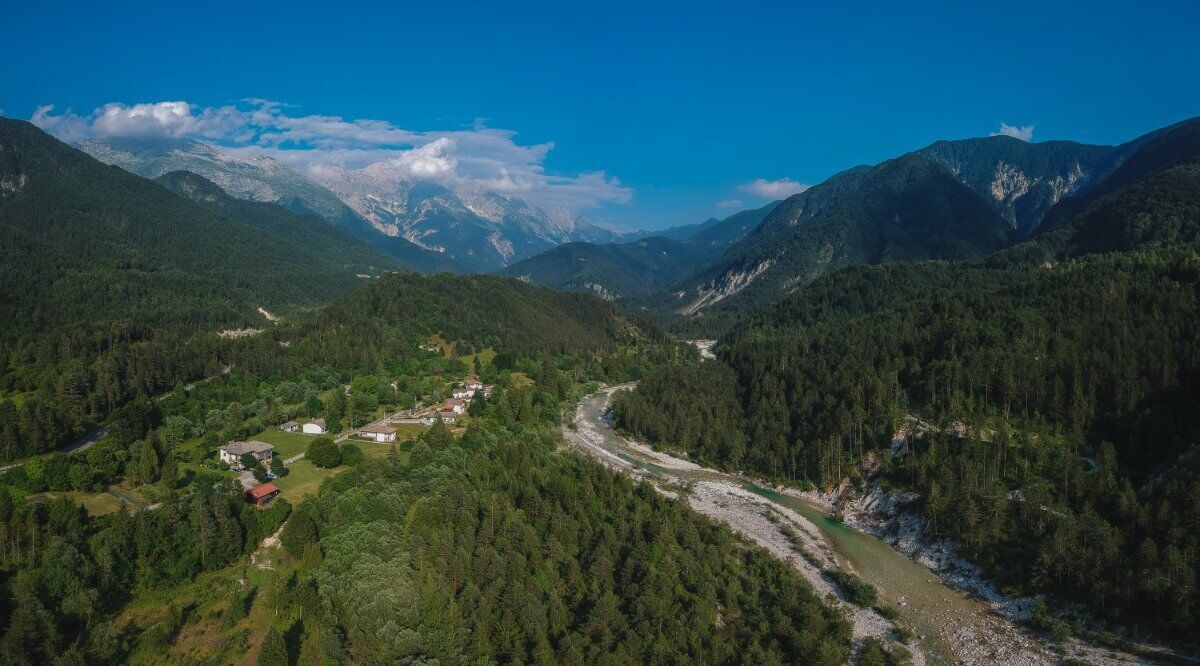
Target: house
(263, 494)
(449, 416)
(473, 384)
(379, 433)
(290, 426)
(231, 453)
(317, 427)
(456, 405)
(463, 393)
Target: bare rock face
(725, 286)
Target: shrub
(856, 590)
(324, 453)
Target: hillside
(101, 244)
(400, 311)
(322, 242)
(907, 209)
(260, 179)
(1022, 180)
(713, 229)
(637, 268)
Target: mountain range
(421, 223)
(950, 200)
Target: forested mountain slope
(91, 243)
(845, 220)
(321, 241)
(1081, 343)
(399, 312)
(906, 209)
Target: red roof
(259, 492)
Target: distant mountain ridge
(481, 230)
(418, 222)
(637, 268)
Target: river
(951, 626)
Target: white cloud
(1024, 133)
(729, 203)
(774, 189)
(481, 157)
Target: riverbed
(951, 626)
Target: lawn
(408, 430)
(287, 444)
(442, 343)
(303, 479)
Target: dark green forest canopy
(496, 548)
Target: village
(258, 464)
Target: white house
(379, 433)
(231, 453)
(317, 427)
(290, 426)
(473, 384)
(456, 405)
(463, 393)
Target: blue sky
(679, 105)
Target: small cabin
(290, 426)
(262, 495)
